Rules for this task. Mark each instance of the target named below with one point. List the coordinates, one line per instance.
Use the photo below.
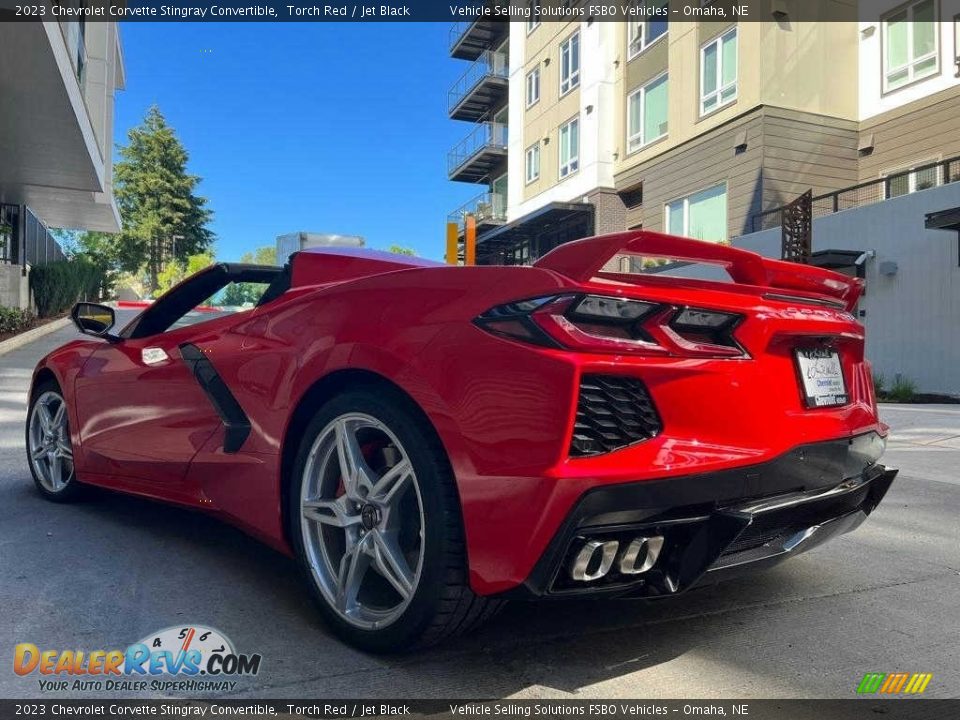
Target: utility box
(295, 242)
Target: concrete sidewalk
(107, 572)
(924, 440)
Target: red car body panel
(503, 409)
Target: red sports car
(428, 440)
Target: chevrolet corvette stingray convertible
(428, 440)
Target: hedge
(58, 285)
(15, 320)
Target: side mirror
(94, 319)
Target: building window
(702, 215)
(534, 22)
(641, 34)
(718, 72)
(907, 179)
(533, 162)
(647, 114)
(910, 44)
(570, 63)
(533, 86)
(956, 42)
(569, 147)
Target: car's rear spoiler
(582, 260)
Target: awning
(50, 157)
(835, 259)
(532, 225)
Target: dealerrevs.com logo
(203, 658)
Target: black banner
(780, 11)
(854, 709)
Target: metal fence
(487, 135)
(490, 64)
(459, 29)
(487, 207)
(24, 239)
(867, 193)
(9, 223)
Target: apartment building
(480, 100)
(58, 81)
(700, 127)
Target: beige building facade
(699, 127)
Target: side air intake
(613, 412)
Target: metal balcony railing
(25, 239)
(487, 208)
(487, 137)
(490, 65)
(468, 37)
(922, 177)
(458, 30)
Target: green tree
(98, 251)
(178, 270)
(401, 250)
(266, 255)
(163, 218)
(239, 294)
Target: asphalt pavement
(107, 572)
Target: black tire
(73, 490)
(442, 605)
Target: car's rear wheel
(376, 525)
(49, 448)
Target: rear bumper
(719, 524)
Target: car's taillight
(597, 323)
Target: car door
(143, 414)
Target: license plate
(822, 377)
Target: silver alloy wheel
(51, 453)
(362, 522)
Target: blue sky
(325, 127)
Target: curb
(17, 342)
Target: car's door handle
(153, 356)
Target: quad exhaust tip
(597, 557)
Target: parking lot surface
(107, 572)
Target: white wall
(912, 318)
(14, 287)
(872, 99)
(517, 103)
(598, 103)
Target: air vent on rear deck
(613, 411)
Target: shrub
(14, 320)
(58, 285)
(879, 385)
(903, 389)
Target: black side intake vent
(613, 411)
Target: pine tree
(164, 219)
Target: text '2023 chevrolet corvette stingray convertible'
(429, 440)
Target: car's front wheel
(376, 525)
(49, 448)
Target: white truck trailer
(297, 241)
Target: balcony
(475, 157)
(469, 38)
(481, 88)
(488, 209)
